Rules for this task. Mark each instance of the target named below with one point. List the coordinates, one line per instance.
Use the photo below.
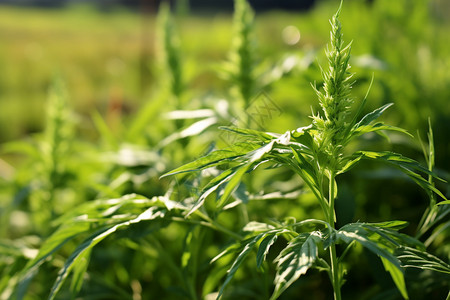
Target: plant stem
(334, 262)
(335, 273)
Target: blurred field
(100, 56)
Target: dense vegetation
(286, 189)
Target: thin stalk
(334, 262)
(210, 224)
(335, 273)
(324, 201)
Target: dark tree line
(195, 5)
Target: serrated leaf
(383, 240)
(361, 238)
(249, 246)
(295, 260)
(264, 248)
(415, 258)
(360, 233)
(211, 187)
(385, 234)
(251, 158)
(79, 256)
(215, 158)
(84, 219)
(245, 247)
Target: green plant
(318, 154)
(145, 246)
(49, 158)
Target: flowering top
(335, 99)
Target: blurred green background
(101, 56)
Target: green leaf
(264, 248)
(419, 259)
(257, 227)
(215, 158)
(405, 164)
(397, 277)
(192, 130)
(79, 270)
(375, 128)
(295, 260)
(86, 218)
(258, 135)
(377, 248)
(249, 244)
(211, 187)
(251, 158)
(232, 185)
(245, 247)
(55, 242)
(395, 225)
(383, 240)
(372, 116)
(77, 259)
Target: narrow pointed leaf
(232, 185)
(80, 255)
(295, 260)
(414, 258)
(405, 164)
(378, 249)
(192, 130)
(215, 158)
(377, 127)
(397, 277)
(252, 157)
(211, 187)
(258, 135)
(257, 227)
(249, 246)
(264, 248)
(372, 116)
